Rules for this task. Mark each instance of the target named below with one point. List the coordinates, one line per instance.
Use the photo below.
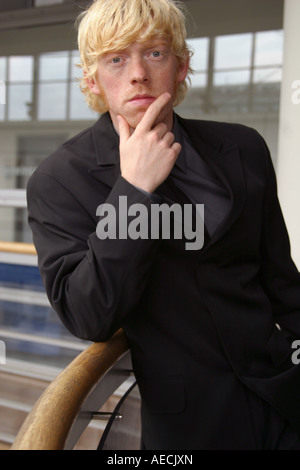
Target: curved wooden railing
(17, 248)
(66, 407)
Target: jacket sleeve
(280, 276)
(92, 284)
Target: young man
(211, 329)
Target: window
(237, 73)
(53, 86)
(200, 49)
(42, 88)
(20, 87)
(233, 52)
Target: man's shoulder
(223, 130)
(214, 137)
(78, 151)
(77, 146)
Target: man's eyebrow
(109, 53)
(156, 41)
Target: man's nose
(139, 71)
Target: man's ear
(183, 68)
(93, 86)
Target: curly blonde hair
(112, 25)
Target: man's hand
(149, 154)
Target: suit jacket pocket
(279, 347)
(163, 395)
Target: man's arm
(92, 284)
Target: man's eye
(116, 60)
(156, 54)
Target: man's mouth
(142, 100)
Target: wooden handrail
(18, 248)
(48, 424)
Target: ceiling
(205, 18)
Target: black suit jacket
(194, 319)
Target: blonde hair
(111, 25)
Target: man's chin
(135, 119)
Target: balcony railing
(75, 397)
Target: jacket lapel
(224, 159)
(106, 145)
(108, 175)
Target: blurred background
(245, 61)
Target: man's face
(131, 79)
